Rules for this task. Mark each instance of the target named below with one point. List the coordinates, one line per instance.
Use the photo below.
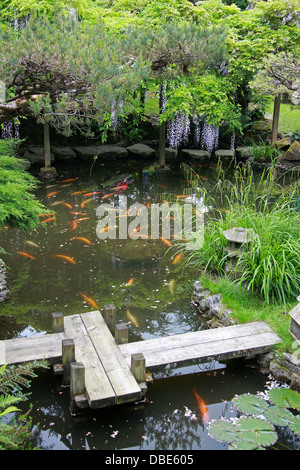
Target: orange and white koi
(90, 301)
(31, 243)
(85, 202)
(108, 195)
(27, 255)
(93, 193)
(78, 213)
(202, 407)
(131, 281)
(84, 240)
(68, 180)
(68, 259)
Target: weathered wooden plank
(204, 345)
(98, 387)
(114, 364)
(18, 350)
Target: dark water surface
(169, 417)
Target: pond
(151, 293)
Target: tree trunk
(162, 135)
(276, 111)
(47, 145)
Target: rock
(171, 154)
(283, 143)
(213, 304)
(3, 286)
(197, 286)
(141, 150)
(195, 154)
(224, 153)
(293, 153)
(63, 153)
(36, 154)
(102, 151)
(263, 125)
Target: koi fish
(202, 177)
(67, 205)
(90, 301)
(80, 219)
(131, 318)
(105, 229)
(85, 240)
(85, 202)
(108, 195)
(78, 213)
(130, 281)
(74, 225)
(180, 195)
(202, 407)
(162, 186)
(53, 193)
(92, 193)
(77, 192)
(44, 215)
(177, 258)
(56, 203)
(67, 181)
(171, 286)
(165, 241)
(68, 259)
(31, 243)
(27, 255)
(47, 220)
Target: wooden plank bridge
(94, 356)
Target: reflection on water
(155, 303)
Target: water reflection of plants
(256, 428)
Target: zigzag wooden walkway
(104, 369)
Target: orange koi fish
(108, 195)
(130, 281)
(85, 202)
(78, 213)
(47, 220)
(67, 181)
(27, 255)
(90, 301)
(77, 192)
(92, 193)
(67, 205)
(202, 407)
(165, 241)
(177, 258)
(85, 240)
(53, 193)
(105, 229)
(131, 318)
(80, 219)
(180, 195)
(68, 259)
(74, 225)
(202, 177)
(162, 186)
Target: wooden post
(77, 382)
(68, 356)
(161, 134)
(47, 144)
(138, 367)
(275, 121)
(57, 322)
(110, 314)
(121, 333)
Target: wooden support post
(275, 122)
(110, 316)
(121, 333)
(138, 367)
(57, 322)
(47, 144)
(68, 356)
(77, 383)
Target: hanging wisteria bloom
(178, 130)
(232, 141)
(162, 91)
(10, 130)
(116, 120)
(210, 137)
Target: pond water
(168, 419)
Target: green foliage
(252, 432)
(18, 205)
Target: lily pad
(278, 416)
(242, 444)
(222, 430)
(285, 398)
(250, 404)
(294, 424)
(257, 430)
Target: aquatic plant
(255, 429)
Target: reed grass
(270, 265)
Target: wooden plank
(18, 350)
(116, 368)
(98, 387)
(204, 345)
